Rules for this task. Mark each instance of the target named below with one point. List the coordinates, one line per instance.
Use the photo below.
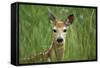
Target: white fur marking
(49, 60)
(54, 28)
(64, 28)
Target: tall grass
(35, 31)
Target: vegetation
(35, 31)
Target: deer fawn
(59, 28)
(56, 51)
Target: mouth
(60, 43)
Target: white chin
(60, 43)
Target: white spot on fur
(54, 27)
(64, 28)
(49, 60)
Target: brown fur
(59, 24)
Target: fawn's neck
(59, 50)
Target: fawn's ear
(52, 18)
(69, 20)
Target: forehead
(59, 24)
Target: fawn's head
(59, 28)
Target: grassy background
(35, 31)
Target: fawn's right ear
(69, 20)
(52, 18)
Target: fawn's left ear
(52, 18)
(69, 20)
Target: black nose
(59, 40)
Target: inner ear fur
(52, 18)
(69, 19)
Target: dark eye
(54, 30)
(64, 30)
